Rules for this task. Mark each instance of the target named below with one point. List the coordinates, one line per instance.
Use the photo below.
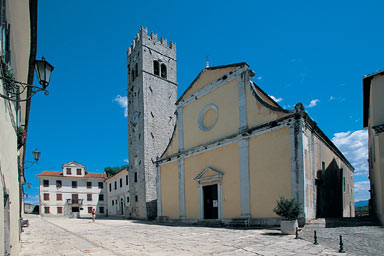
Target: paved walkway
(359, 238)
(62, 236)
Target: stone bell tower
(152, 94)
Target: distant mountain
(361, 203)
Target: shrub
(288, 209)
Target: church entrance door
(211, 204)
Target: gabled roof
(366, 92)
(73, 163)
(223, 69)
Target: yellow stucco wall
(224, 159)
(270, 176)
(207, 77)
(170, 190)
(257, 113)
(173, 147)
(226, 100)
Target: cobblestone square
(63, 236)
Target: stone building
(234, 152)
(18, 38)
(118, 200)
(373, 120)
(73, 192)
(152, 93)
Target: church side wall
(270, 171)
(317, 154)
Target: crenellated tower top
(151, 40)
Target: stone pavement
(63, 236)
(360, 237)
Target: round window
(208, 117)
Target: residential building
(118, 198)
(18, 36)
(152, 93)
(234, 152)
(373, 120)
(73, 192)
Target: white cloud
(123, 102)
(313, 103)
(126, 160)
(332, 98)
(259, 78)
(361, 190)
(354, 146)
(31, 199)
(276, 99)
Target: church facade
(234, 152)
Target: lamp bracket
(14, 89)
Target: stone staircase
(316, 223)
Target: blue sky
(301, 51)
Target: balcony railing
(74, 201)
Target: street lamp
(36, 156)
(14, 89)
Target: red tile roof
(95, 175)
(50, 173)
(88, 175)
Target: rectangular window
(101, 197)
(46, 183)
(126, 180)
(101, 209)
(59, 209)
(75, 198)
(89, 209)
(136, 198)
(46, 209)
(135, 176)
(74, 184)
(115, 185)
(121, 182)
(113, 202)
(46, 196)
(69, 172)
(89, 197)
(101, 186)
(322, 165)
(58, 184)
(127, 199)
(78, 171)
(89, 184)
(59, 197)
(110, 187)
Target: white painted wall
(66, 190)
(118, 195)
